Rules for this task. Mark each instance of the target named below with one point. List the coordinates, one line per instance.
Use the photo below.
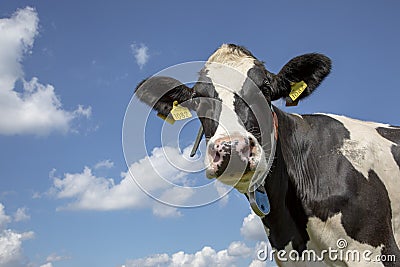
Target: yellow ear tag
(180, 113)
(297, 89)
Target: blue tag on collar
(259, 202)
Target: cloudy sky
(67, 74)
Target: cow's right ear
(160, 92)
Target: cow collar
(257, 194)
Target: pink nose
(236, 149)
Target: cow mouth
(237, 174)
(231, 165)
(217, 157)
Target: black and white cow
(332, 177)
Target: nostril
(252, 144)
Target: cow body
(341, 181)
(331, 179)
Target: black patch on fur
(379, 211)
(370, 204)
(392, 135)
(286, 220)
(310, 68)
(207, 104)
(396, 154)
(160, 92)
(246, 97)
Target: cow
(331, 179)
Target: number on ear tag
(297, 89)
(180, 113)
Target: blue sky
(67, 74)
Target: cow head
(233, 87)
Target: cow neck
(287, 220)
(296, 147)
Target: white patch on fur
(227, 68)
(324, 235)
(298, 115)
(368, 150)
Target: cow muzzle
(232, 157)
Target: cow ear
(160, 93)
(309, 68)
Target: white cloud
(11, 242)
(107, 164)
(35, 109)
(21, 215)
(236, 254)
(36, 195)
(258, 263)
(154, 260)
(141, 54)
(239, 249)
(252, 228)
(222, 190)
(205, 257)
(4, 218)
(11, 246)
(165, 211)
(81, 111)
(54, 257)
(176, 195)
(90, 192)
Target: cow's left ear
(160, 92)
(309, 68)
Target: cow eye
(194, 95)
(266, 82)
